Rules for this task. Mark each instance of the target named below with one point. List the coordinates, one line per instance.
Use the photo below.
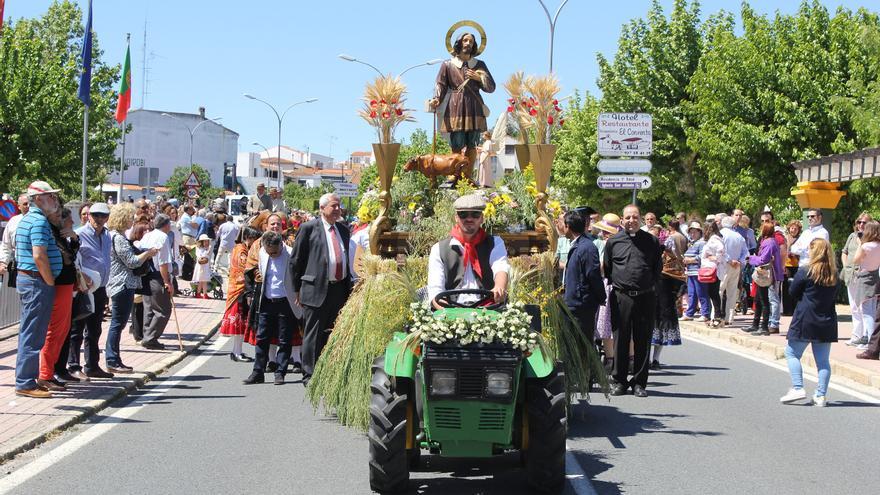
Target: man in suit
(275, 308)
(584, 289)
(321, 277)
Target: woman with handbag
(712, 269)
(234, 320)
(768, 269)
(61, 223)
(127, 266)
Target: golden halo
(472, 24)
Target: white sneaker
(685, 318)
(702, 319)
(794, 394)
(820, 401)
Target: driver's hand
(499, 294)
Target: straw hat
(610, 223)
(204, 237)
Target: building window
(508, 149)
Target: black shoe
(297, 367)
(618, 389)
(762, 331)
(121, 368)
(272, 367)
(66, 377)
(156, 346)
(751, 329)
(639, 391)
(655, 365)
(98, 373)
(254, 378)
(279, 379)
(244, 358)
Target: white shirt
(331, 257)
(801, 247)
(437, 271)
(159, 240)
(7, 245)
(714, 247)
(273, 280)
(226, 235)
(360, 238)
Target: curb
(863, 380)
(28, 441)
(9, 332)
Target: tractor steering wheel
(444, 299)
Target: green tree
(419, 144)
(179, 176)
(40, 115)
(304, 197)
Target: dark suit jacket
(309, 262)
(815, 316)
(583, 281)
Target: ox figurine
(455, 166)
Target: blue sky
(209, 52)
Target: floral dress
(666, 330)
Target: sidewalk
(862, 375)
(26, 422)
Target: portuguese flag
(124, 89)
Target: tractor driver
(469, 258)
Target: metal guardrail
(10, 307)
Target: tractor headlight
(499, 384)
(442, 382)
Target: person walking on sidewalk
(39, 262)
(735, 252)
(865, 280)
(124, 258)
(814, 322)
(860, 333)
(712, 257)
(157, 305)
(767, 263)
(95, 254)
(697, 291)
(633, 262)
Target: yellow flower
(497, 200)
(506, 198)
(412, 206)
(489, 211)
(394, 179)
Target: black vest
(452, 261)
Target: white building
(163, 141)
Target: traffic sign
(8, 209)
(346, 189)
(623, 182)
(192, 192)
(624, 166)
(192, 181)
(625, 134)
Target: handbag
(673, 266)
(707, 275)
(83, 306)
(12, 273)
(145, 268)
(763, 275)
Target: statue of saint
(457, 98)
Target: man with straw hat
(469, 258)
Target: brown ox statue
(454, 165)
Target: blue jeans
(821, 351)
(37, 299)
(775, 303)
(697, 292)
(120, 310)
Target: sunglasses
(812, 216)
(469, 214)
(99, 215)
(861, 222)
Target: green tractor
(471, 401)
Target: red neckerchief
(470, 248)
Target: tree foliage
(41, 119)
(175, 183)
(419, 144)
(304, 197)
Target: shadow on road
(593, 465)
(442, 475)
(601, 421)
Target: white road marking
(81, 440)
(808, 376)
(577, 478)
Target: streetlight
(192, 131)
(280, 119)
(268, 155)
(552, 26)
(349, 58)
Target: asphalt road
(712, 424)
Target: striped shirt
(34, 230)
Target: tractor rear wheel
(389, 470)
(547, 424)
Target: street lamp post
(268, 155)
(192, 132)
(280, 118)
(552, 26)
(349, 58)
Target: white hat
(695, 225)
(470, 202)
(203, 237)
(40, 187)
(100, 208)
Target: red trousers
(59, 325)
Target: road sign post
(629, 135)
(623, 182)
(345, 189)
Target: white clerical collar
(457, 62)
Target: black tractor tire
(548, 428)
(389, 466)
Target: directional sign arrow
(623, 182)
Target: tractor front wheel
(547, 430)
(389, 469)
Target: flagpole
(122, 164)
(85, 150)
